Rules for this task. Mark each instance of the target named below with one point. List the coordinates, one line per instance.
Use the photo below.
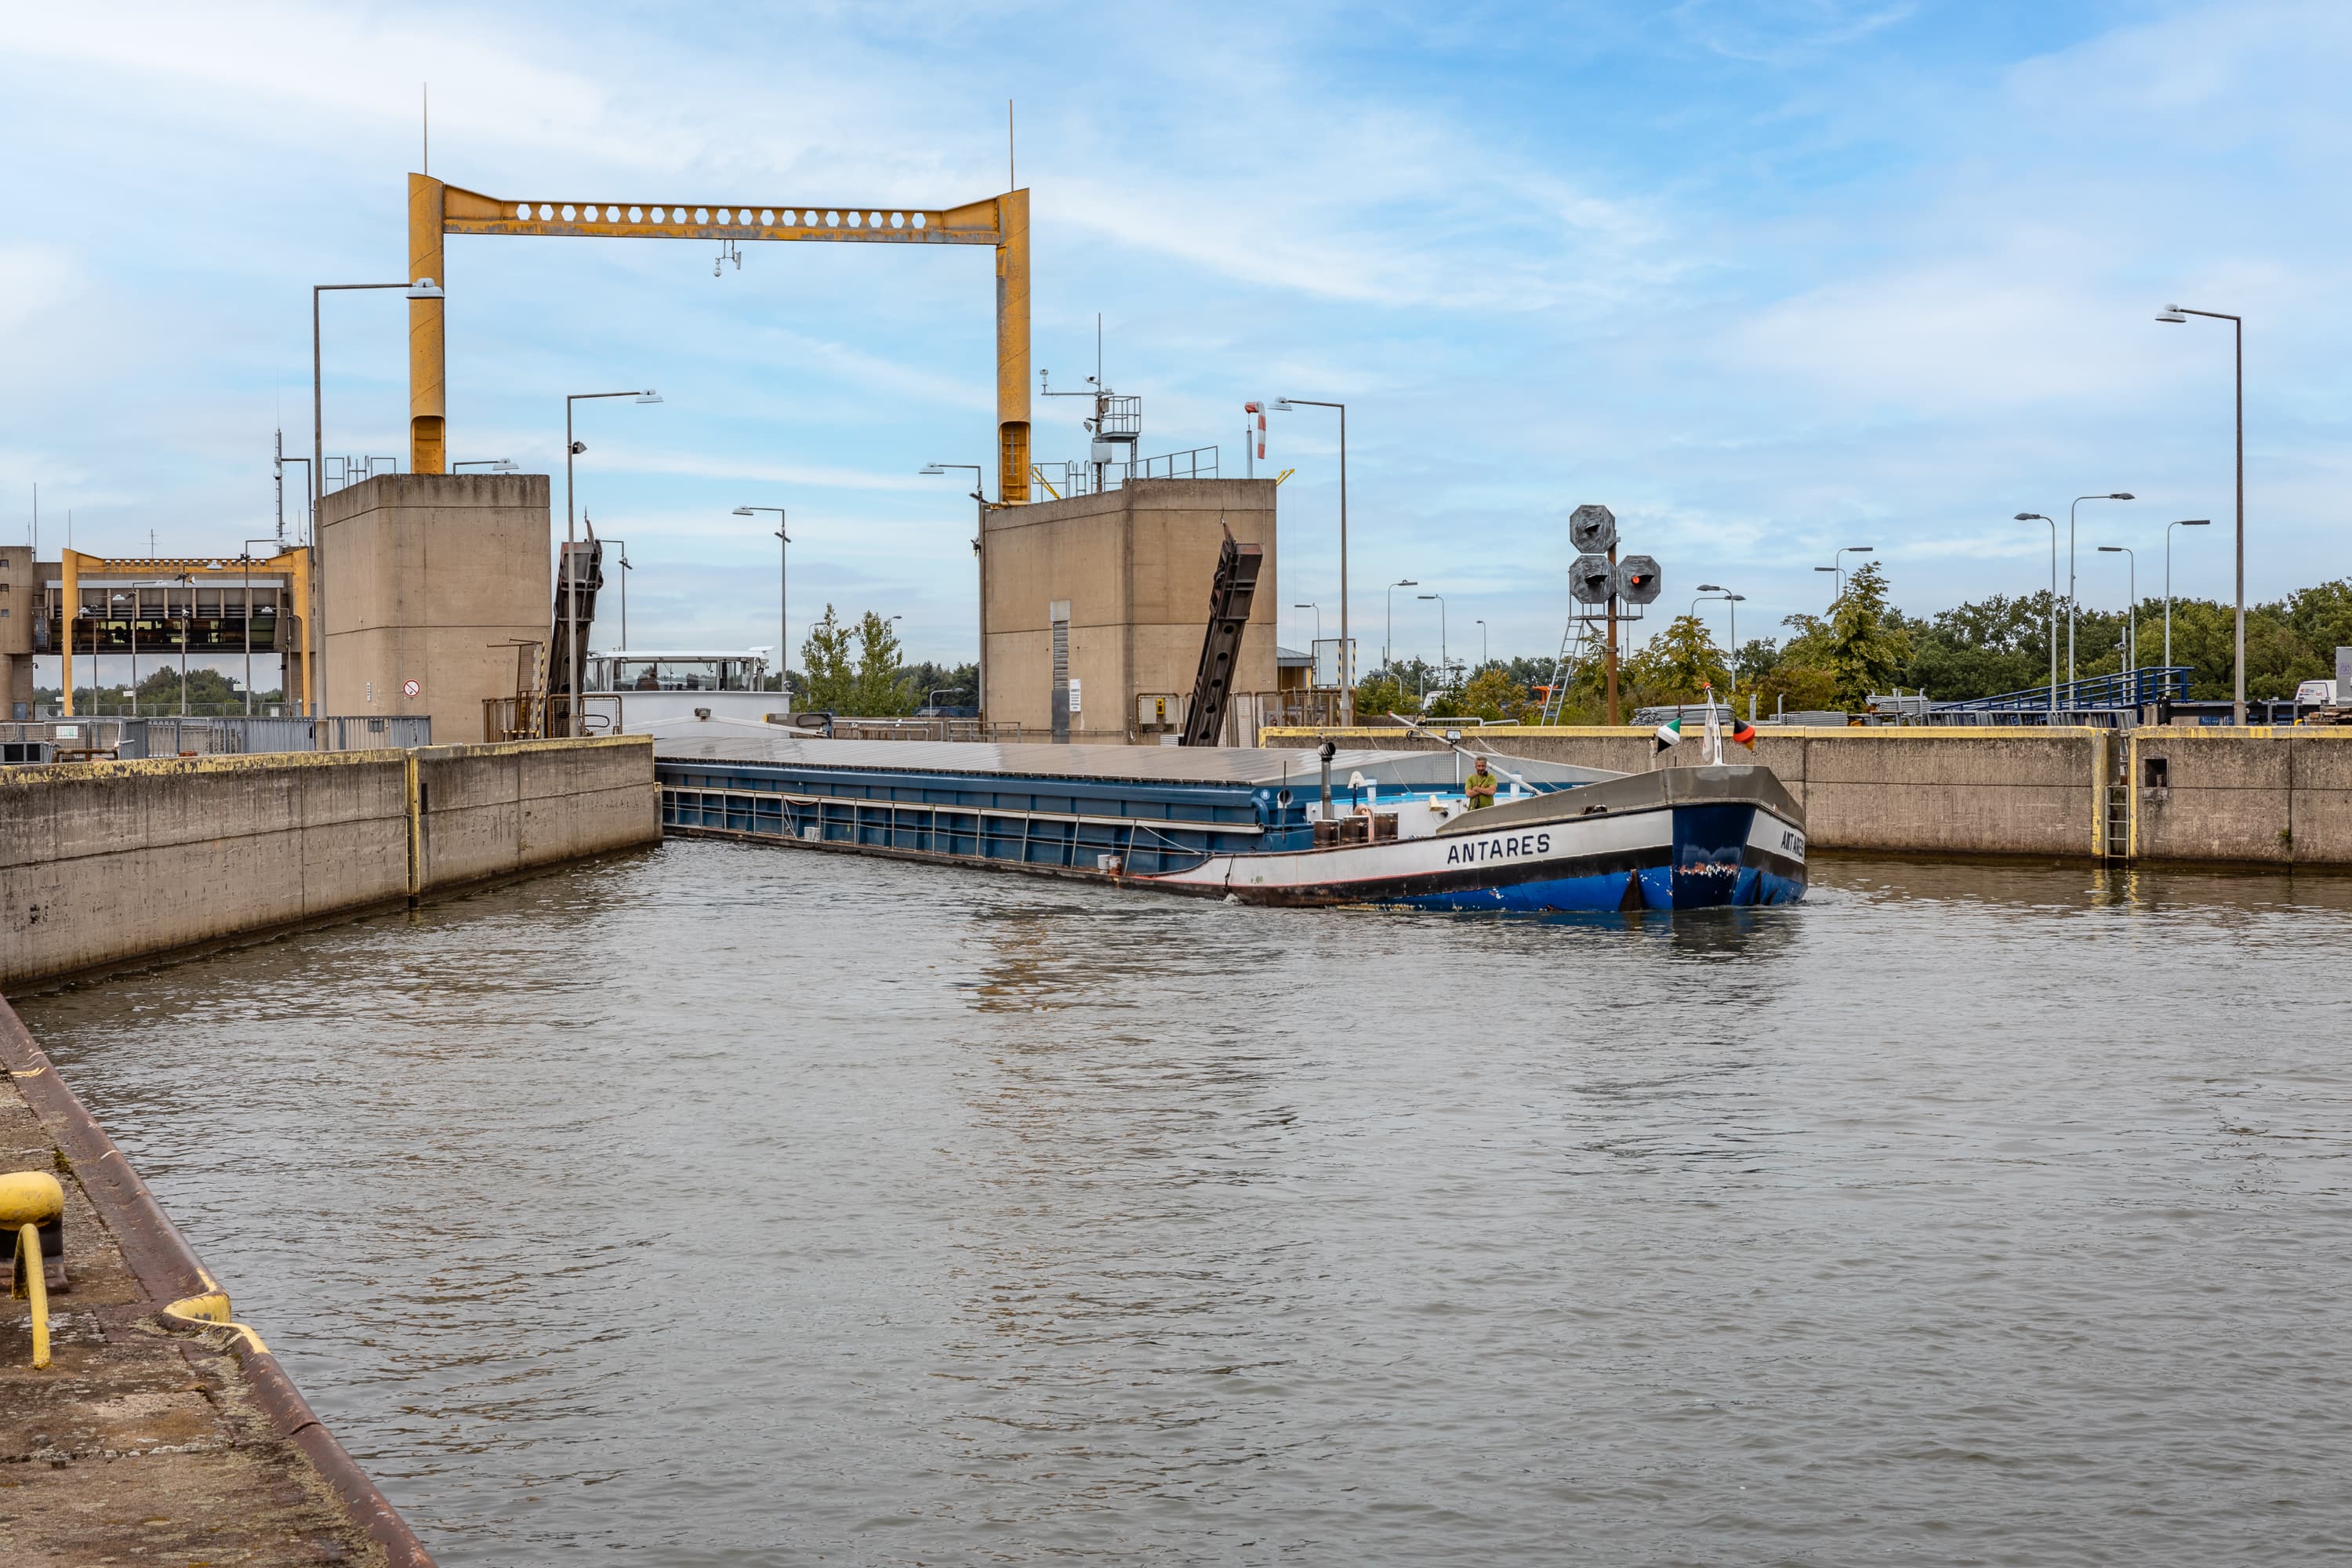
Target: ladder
(1229, 611)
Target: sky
(1768, 279)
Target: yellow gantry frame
(294, 564)
(435, 209)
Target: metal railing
(2127, 689)
(124, 739)
(1078, 479)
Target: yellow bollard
(29, 1200)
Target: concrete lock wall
(105, 862)
(2271, 796)
(1910, 790)
(493, 811)
(431, 578)
(1135, 566)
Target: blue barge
(1251, 824)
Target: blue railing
(2135, 688)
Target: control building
(1094, 608)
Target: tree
(1382, 692)
(1677, 664)
(1865, 645)
(1492, 693)
(829, 684)
(879, 691)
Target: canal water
(729, 1204)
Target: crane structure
(437, 209)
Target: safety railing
(80, 740)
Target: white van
(2317, 694)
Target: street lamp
(2184, 522)
(2180, 314)
(249, 628)
(1388, 638)
(1347, 675)
(187, 616)
(2029, 517)
(1716, 590)
(1837, 561)
(572, 449)
(2131, 622)
(2118, 495)
(418, 289)
(621, 560)
(980, 500)
(1482, 645)
(1319, 619)
(1443, 662)
(784, 586)
(496, 465)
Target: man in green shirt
(1480, 785)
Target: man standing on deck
(1480, 785)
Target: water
(730, 1205)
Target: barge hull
(1672, 858)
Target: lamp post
(133, 597)
(1716, 590)
(1319, 619)
(1837, 561)
(2118, 495)
(572, 449)
(419, 288)
(1445, 664)
(2180, 314)
(2183, 522)
(249, 628)
(1388, 638)
(979, 529)
(2131, 622)
(1482, 645)
(187, 616)
(1347, 675)
(496, 465)
(783, 590)
(2029, 517)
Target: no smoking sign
(410, 688)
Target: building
(1093, 609)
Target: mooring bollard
(30, 1203)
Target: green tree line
(856, 668)
(1864, 646)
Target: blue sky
(1768, 279)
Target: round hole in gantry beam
(767, 218)
(917, 220)
(545, 211)
(832, 219)
(857, 219)
(702, 214)
(567, 212)
(874, 220)
(726, 215)
(898, 220)
(523, 211)
(660, 215)
(637, 215)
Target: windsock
(1670, 733)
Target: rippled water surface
(735, 1205)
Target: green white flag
(1670, 733)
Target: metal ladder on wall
(2117, 842)
(1571, 657)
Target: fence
(71, 740)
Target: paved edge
(167, 1270)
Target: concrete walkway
(146, 1440)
